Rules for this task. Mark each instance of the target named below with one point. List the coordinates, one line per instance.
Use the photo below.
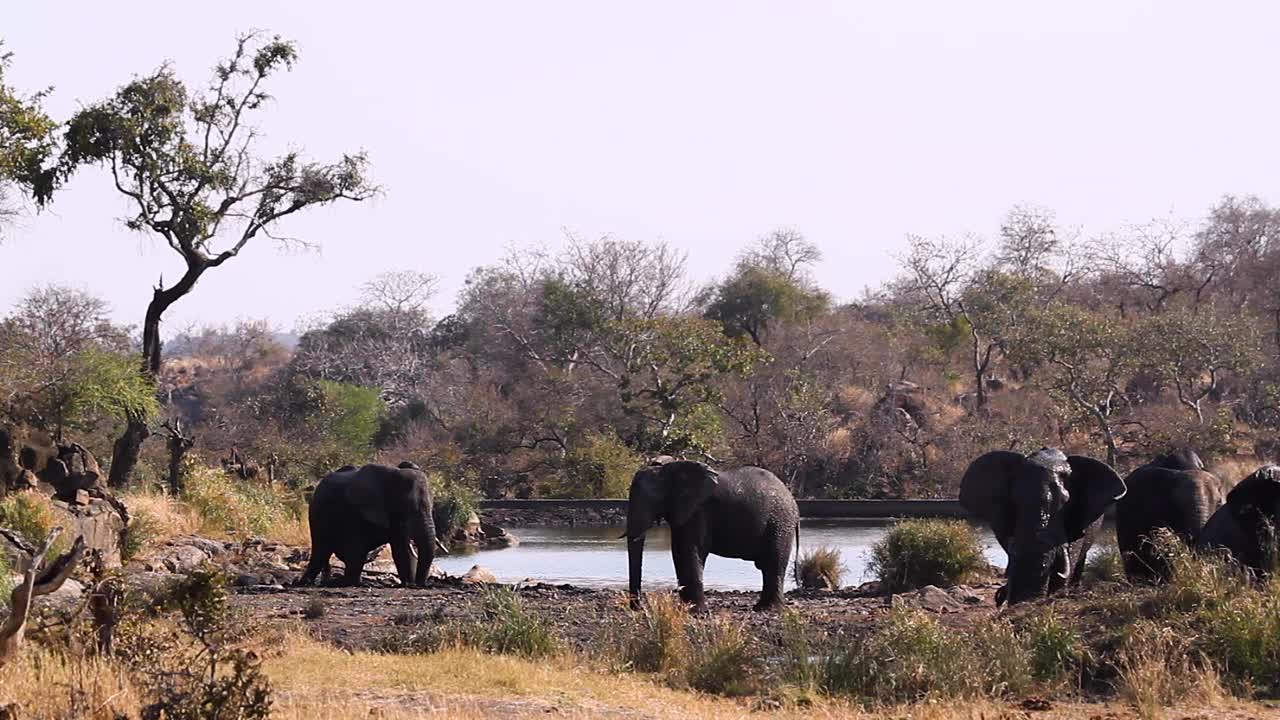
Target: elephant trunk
(424, 537)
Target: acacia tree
(189, 165)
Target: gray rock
(965, 595)
(934, 598)
(183, 558)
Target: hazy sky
(705, 124)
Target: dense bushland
(556, 374)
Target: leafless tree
(400, 291)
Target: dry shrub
(820, 568)
(655, 639)
(1158, 667)
(226, 505)
(722, 660)
(154, 518)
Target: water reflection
(595, 557)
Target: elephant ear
(986, 491)
(690, 484)
(365, 492)
(1094, 486)
(1260, 492)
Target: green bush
(6, 581)
(601, 466)
(452, 505)
(31, 516)
(1056, 648)
(915, 553)
(510, 629)
(1002, 658)
(349, 416)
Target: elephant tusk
(442, 546)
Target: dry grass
(216, 505)
(821, 567)
(315, 680)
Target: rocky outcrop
(482, 535)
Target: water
(595, 557)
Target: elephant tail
(797, 560)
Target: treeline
(558, 374)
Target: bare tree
(939, 271)
(400, 291)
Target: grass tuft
(821, 568)
(915, 553)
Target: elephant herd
(1045, 509)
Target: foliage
(349, 416)
(6, 581)
(601, 466)
(26, 137)
(452, 505)
(227, 505)
(31, 516)
(913, 656)
(190, 668)
(508, 628)
(915, 553)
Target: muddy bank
(375, 617)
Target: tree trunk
(128, 447)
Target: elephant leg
(354, 569)
(774, 571)
(318, 565)
(403, 557)
(689, 562)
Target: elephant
(1174, 492)
(355, 511)
(745, 513)
(1045, 510)
(1245, 526)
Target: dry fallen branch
(36, 581)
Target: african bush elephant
(1246, 525)
(1173, 492)
(744, 513)
(357, 510)
(1045, 510)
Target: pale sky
(705, 124)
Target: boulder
(478, 575)
(99, 521)
(929, 597)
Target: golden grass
(315, 680)
(219, 508)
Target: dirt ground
(365, 617)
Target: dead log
(36, 581)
